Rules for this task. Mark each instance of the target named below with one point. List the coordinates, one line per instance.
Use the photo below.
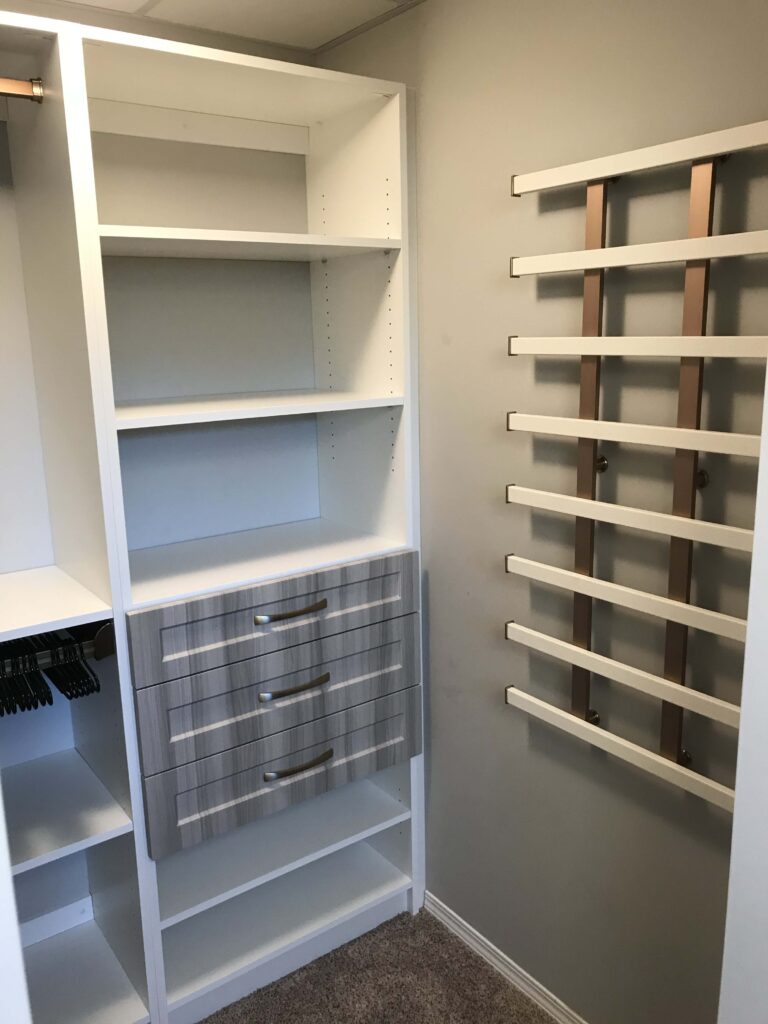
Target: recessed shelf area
(191, 568)
(75, 978)
(56, 806)
(139, 415)
(43, 599)
(197, 880)
(205, 951)
(207, 244)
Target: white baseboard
(500, 962)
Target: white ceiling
(301, 23)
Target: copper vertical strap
(686, 463)
(586, 457)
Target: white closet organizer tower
(205, 300)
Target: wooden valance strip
(732, 537)
(638, 433)
(636, 679)
(627, 597)
(633, 754)
(714, 347)
(682, 250)
(698, 147)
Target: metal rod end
(37, 90)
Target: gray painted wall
(607, 886)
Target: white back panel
(52, 886)
(54, 291)
(191, 482)
(196, 327)
(357, 304)
(179, 184)
(31, 734)
(353, 172)
(25, 536)
(362, 471)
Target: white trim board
(721, 346)
(729, 140)
(679, 250)
(501, 963)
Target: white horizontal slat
(730, 140)
(699, 785)
(147, 122)
(732, 537)
(722, 346)
(627, 597)
(744, 243)
(638, 433)
(635, 678)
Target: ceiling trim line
(380, 19)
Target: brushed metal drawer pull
(265, 698)
(264, 620)
(286, 773)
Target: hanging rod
(18, 88)
(102, 646)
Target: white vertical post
(13, 983)
(744, 991)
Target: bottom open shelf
(196, 880)
(176, 571)
(75, 978)
(39, 600)
(212, 948)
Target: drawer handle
(265, 698)
(286, 773)
(264, 620)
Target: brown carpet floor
(411, 970)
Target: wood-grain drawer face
(212, 796)
(176, 640)
(212, 711)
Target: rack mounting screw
(593, 717)
(702, 479)
(601, 464)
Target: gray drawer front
(210, 797)
(176, 640)
(212, 711)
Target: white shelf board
(206, 951)
(39, 600)
(200, 243)
(199, 879)
(55, 806)
(191, 568)
(75, 978)
(220, 408)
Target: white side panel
(181, 184)
(744, 989)
(357, 306)
(25, 540)
(116, 906)
(362, 462)
(353, 172)
(169, 319)
(13, 984)
(191, 482)
(54, 292)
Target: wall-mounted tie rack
(686, 438)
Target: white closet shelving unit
(206, 282)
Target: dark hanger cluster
(29, 664)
